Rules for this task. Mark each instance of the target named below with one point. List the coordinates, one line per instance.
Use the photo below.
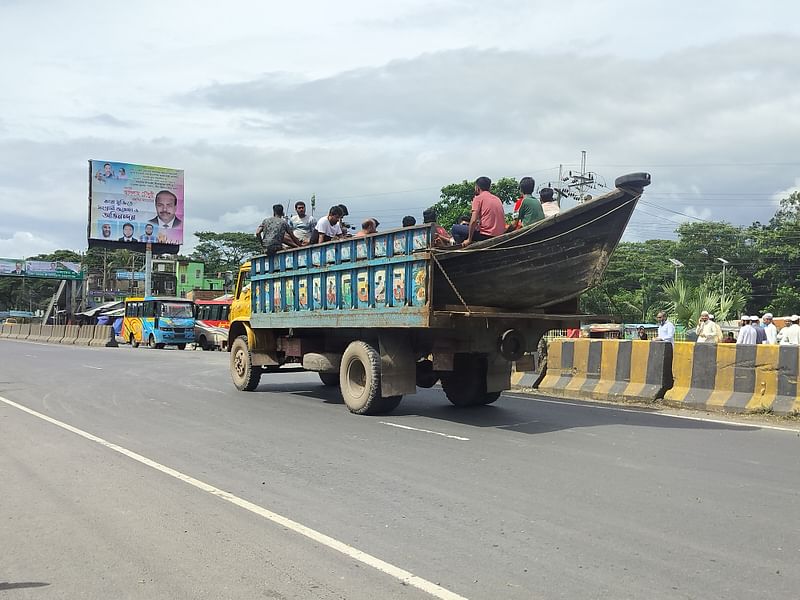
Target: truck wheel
(360, 379)
(329, 379)
(181, 346)
(132, 340)
(151, 342)
(465, 385)
(203, 342)
(245, 376)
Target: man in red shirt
(488, 219)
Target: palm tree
(685, 305)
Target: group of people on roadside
(753, 330)
(486, 220)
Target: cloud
(24, 244)
(105, 119)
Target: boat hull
(541, 265)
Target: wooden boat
(547, 264)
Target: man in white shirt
(747, 334)
(791, 335)
(770, 329)
(666, 330)
(328, 228)
(302, 224)
(706, 330)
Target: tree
(456, 198)
(224, 251)
(686, 302)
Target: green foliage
(224, 251)
(685, 303)
(456, 198)
(786, 301)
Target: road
(145, 474)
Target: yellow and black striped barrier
(736, 378)
(612, 370)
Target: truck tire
(181, 346)
(465, 385)
(329, 379)
(426, 376)
(245, 376)
(151, 342)
(203, 343)
(134, 343)
(360, 381)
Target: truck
(382, 315)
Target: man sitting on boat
(530, 209)
(488, 218)
(549, 205)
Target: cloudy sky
(378, 105)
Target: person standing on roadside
(761, 335)
(791, 335)
(769, 329)
(488, 219)
(666, 330)
(716, 327)
(706, 330)
(747, 334)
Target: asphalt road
(182, 491)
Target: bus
(158, 322)
(211, 323)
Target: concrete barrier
(45, 331)
(5, 330)
(85, 335)
(612, 370)
(57, 334)
(736, 378)
(104, 337)
(24, 331)
(70, 335)
(13, 334)
(526, 372)
(35, 332)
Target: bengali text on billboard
(135, 204)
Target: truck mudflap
(398, 364)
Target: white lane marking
(452, 437)
(405, 577)
(91, 367)
(658, 414)
(31, 355)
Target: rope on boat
(503, 247)
(450, 281)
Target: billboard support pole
(148, 269)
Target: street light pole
(677, 264)
(724, 265)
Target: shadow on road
(8, 585)
(524, 415)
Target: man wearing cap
(761, 335)
(747, 334)
(706, 330)
(791, 335)
(717, 328)
(769, 329)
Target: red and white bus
(211, 323)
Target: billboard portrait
(134, 205)
(42, 269)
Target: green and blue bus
(158, 322)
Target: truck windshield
(180, 310)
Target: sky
(379, 105)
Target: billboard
(59, 269)
(132, 205)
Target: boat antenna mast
(576, 184)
